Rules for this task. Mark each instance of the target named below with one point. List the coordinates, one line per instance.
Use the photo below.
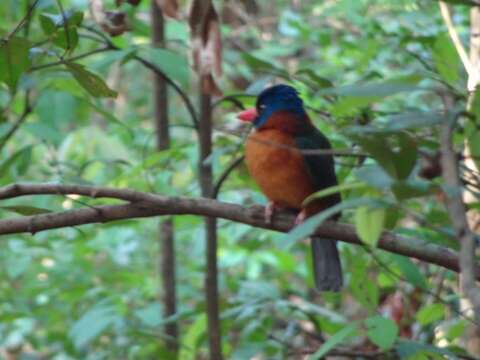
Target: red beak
(248, 115)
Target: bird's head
(271, 101)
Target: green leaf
(319, 81)
(264, 66)
(381, 331)
(67, 40)
(304, 230)
(173, 65)
(14, 60)
(18, 163)
(333, 341)
(350, 105)
(92, 324)
(369, 223)
(192, 337)
(410, 271)
(446, 59)
(91, 82)
(333, 190)
(413, 120)
(47, 23)
(430, 313)
(396, 153)
(412, 188)
(25, 210)
(379, 89)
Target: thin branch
(72, 59)
(148, 205)
(173, 84)
(457, 211)
(226, 173)
(25, 19)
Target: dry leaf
(169, 7)
(113, 22)
(206, 44)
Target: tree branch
(457, 212)
(147, 205)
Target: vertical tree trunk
(473, 332)
(166, 234)
(206, 181)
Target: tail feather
(327, 269)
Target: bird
(278, 157)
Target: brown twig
(166, 239)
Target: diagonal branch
(141, 204)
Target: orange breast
(278, 167)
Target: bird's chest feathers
(278, 167)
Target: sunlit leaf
(430, 313)
(369, 223)
(381, 331)
(446, 59)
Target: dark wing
(320, 167)
(327, 268)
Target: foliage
(80, 104)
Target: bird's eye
(261, 107)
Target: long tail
(327, 269)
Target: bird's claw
(302, 215)
(270, 211)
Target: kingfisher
(279, 157)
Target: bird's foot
(302, 215)
(270, 211)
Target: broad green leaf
(25, 210)
(379, 89)
(67, 40)
(369, 223)
(92, 324)
(335, 340)
(47, 23)
(191, 338)
(430, 313)
(446, 59)
(381, 331)
(351, 105)
(317, 80)
(91, 82)
(456, 330)
(407, 189)
(264, 66)
(410, 271)
(173, 65)
(413, 120)
(396, 153)
(14, 60)
(305, 229)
